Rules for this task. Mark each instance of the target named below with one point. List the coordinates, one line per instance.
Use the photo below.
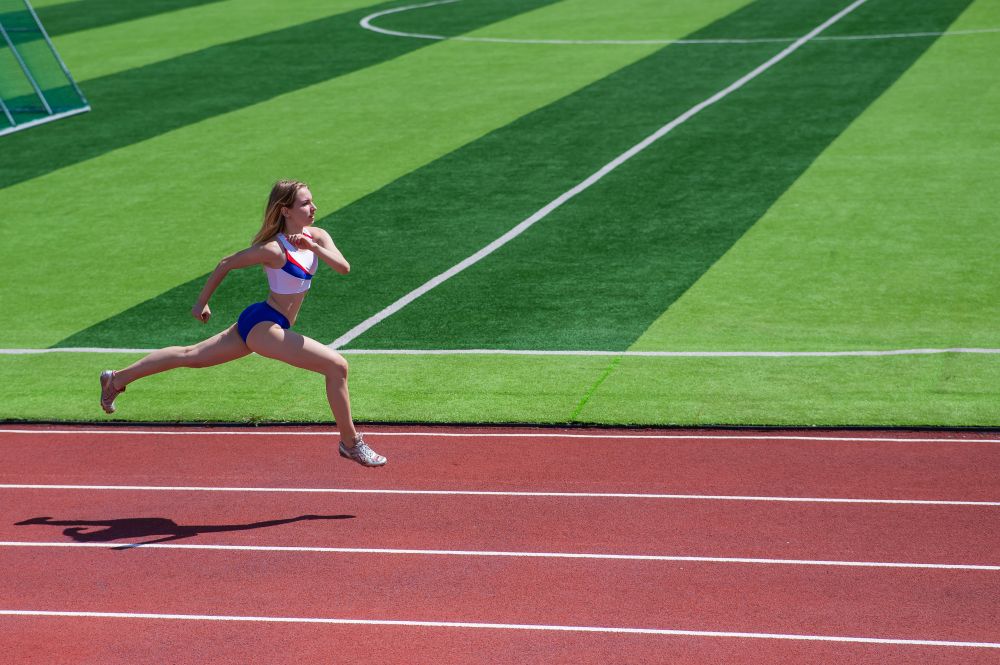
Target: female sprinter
(289, 248)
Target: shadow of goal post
(35, 85)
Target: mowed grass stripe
(68, 17)
(144, 102)
(388, 121)
(162, 211)
(881, 243)
(599, 270)
(117, 47)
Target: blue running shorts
(257, 312)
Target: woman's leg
(215, 350)
(270, 340)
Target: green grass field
(841, 201)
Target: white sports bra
(297, 273)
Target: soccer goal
(35, 85)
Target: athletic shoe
(362, 454)
(108, 391)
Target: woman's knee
(337, 367)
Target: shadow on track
(145, 527)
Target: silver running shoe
(108, 391)
(362, 454)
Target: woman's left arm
(322, 244)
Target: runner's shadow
(145, 527)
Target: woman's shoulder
(316, 233)
(269, 246)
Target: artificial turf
(596, 273)
(825, 267)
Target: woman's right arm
(267, 253)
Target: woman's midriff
(287, 303)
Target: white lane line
(489, 493)
(861, 353)
(519, 555)
(763, 437)
(670, 354)
(377, 318)
(502, 626)
(367, 24)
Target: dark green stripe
(141, 103)
(88, 14)
(597, 273)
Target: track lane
(846, 532)
(884, 604)
(64, 641)
(931, 604)
(962, 470)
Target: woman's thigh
(272, 341)
(218, 349)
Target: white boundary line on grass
(489, 493)
(500, 626)
(763, 436)
(366, 23)
(503, 554)
(377, 318)
(860, 353)
(579, 353)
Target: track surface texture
(499, 545)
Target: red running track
(917, 572)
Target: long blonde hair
(282, 195)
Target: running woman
(289, 248)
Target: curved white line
(367, 24)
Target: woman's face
(303, 210)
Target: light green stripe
(887, 241)
(121, 46)
(620, 20)
(163, 211)
(956, 390)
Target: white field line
(581, 353)
(365, 325)
(116, 430)
(501, 626)
(491, 493)
(366, 23)
(519, 555)
(669, 354)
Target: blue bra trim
(295, 271)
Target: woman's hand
(201, 312)
(301, 241)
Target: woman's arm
(322, 244)
(267, 253)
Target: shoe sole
(105, 379)
(370, 466)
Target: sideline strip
(525, 555)
(583, 353)
(501, 626)
(110, 431)
(544, 495)
(377, 318)
(366, 23)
